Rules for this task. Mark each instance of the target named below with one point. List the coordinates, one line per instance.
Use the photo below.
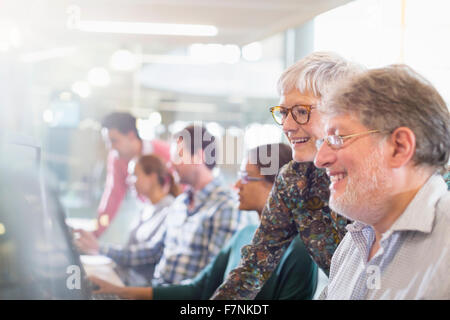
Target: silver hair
(397, 96)
(316, 73)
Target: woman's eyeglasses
(245, 178)
(300, 113)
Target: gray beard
(365, 193)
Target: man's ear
(403, 147)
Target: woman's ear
(403, 147)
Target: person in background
(295, 276)
(125, 145)
(387, 142)
(153, 182)
(298, 203)
(202, 219)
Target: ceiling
(43, 26)
(43, 23)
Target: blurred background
(66, 64)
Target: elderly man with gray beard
(388, 140)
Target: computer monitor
(37, 257)
(24, 151)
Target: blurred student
(122, 138)
(295, 276)
(153, 182)
(202, 219)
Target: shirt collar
(208, 189)
(356, 226)
(164, 202)
(204, 193)
(420, 212)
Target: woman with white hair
(298, 203)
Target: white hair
(316, 73)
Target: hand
(86, 242)
(139, 293)
(102, 286)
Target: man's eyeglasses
(245, 178)
(300, 113)
(336, 141)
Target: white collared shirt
(413, 261)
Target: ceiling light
(177, 126)
(81, 88)
(47, 54)
(235, 131)
(146, 129)
(65, 96)
(99, 77)
(231, 54)
(155, 118)
(215, 129)
(147, 28)
(214, 53)
(198, 53)
(252, 51)
(123, 60)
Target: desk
(102, 267)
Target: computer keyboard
(105, 296)
(100, 296)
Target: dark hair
(278, 155)
(153, 163)
(121, 121)
(197, 137)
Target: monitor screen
(23, 151)
(37, 257)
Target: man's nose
(325, 156)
